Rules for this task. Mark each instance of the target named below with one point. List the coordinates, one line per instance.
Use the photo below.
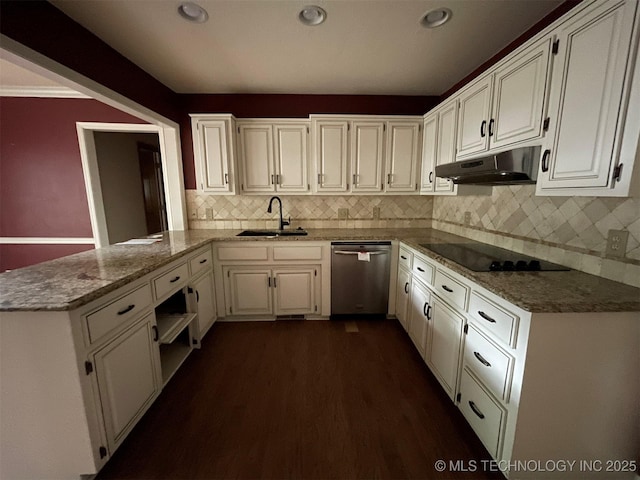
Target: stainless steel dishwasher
(360, 278)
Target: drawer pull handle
(429, 312)
(475, 409)
(444, 287)
(483, 127)
(203, 261)
(403, 257)
(481, 359)
(175, 279)
(156, 334)
(420, 269)
(430, 177)
(425, 309)
(127, 309)
(486, 317)
(226, 179)
(197, 297)
(406, 287)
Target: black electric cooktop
(481, 257)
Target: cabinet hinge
(308, 186)
(348, 127)
(238, 129)
(384, 127)
(555, 47)
(545, 124)
(88, 367)
(242, 186)
(194, 341)
(466, 328)
(315, 308)
(202, 186)
(230, 310)
(617, 171)
(307, 130)
(228, 274)
(315, 273)
(103, 452)
(458, 397)
(189, 290)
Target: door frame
(91, 173)
(168, 130)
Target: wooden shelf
(170, 326)
(171, 357)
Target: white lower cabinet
(403, 287)
(443, 350)
(419, 314)
(205, 302)
(271, 291)
(128, 379)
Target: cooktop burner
(481, 257)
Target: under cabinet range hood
(515, 167)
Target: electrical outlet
(467, 219)
(209, 213)
(376, 213)
(617, 243)
(343, 213)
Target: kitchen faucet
(282, 222)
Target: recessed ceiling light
(192, 12)
(435, 18)
(312, 15)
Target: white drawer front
(498, 322)
(405, 258)
(242, 253)
(451, 290)
(490, 364)
(297, 253)
(171, 281)
(201, 262)
(484, 415)
(117, 312)
(423, 270)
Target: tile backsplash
(568, 230)
(309, 211)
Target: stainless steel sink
(272, 233)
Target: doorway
(123, 171)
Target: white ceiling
(375, 47)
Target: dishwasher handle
(347, 252)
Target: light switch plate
(617, 243)
(376, 213)
(209, 213)
(467, 219)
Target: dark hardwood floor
(300, 400)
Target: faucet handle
(286, 222)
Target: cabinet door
(291, 158)
(443, 353)
(473, 118)
(518, 104)
(331, 159)
(429, 151)
(367, 152)
(128, 379)
(295, 291)
(403, 289)
(256, 158)
(403, 156)
(586, 97)
(248, 291)
(213, 149)
(446, 151)
(419, 314)
(205, 302)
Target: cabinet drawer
(171, 281)
(423, 270)
(484, 415)
(490, 364)
(201, 262)
(405, 259)
(116, 313)
(499, 323)
(242, 253)
(297, 253)
(451, 290)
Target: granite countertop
(70, 282)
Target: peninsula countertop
(70, 282)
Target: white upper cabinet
(366, 154)
(273, 156)
(446, 143)
(594, 101)
(403, 156)
(505, 107)
(214, 153)
(330, 149)
(429, 153)
(367, 157)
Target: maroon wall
(42, 191)
(290, 106)
(18, 256)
